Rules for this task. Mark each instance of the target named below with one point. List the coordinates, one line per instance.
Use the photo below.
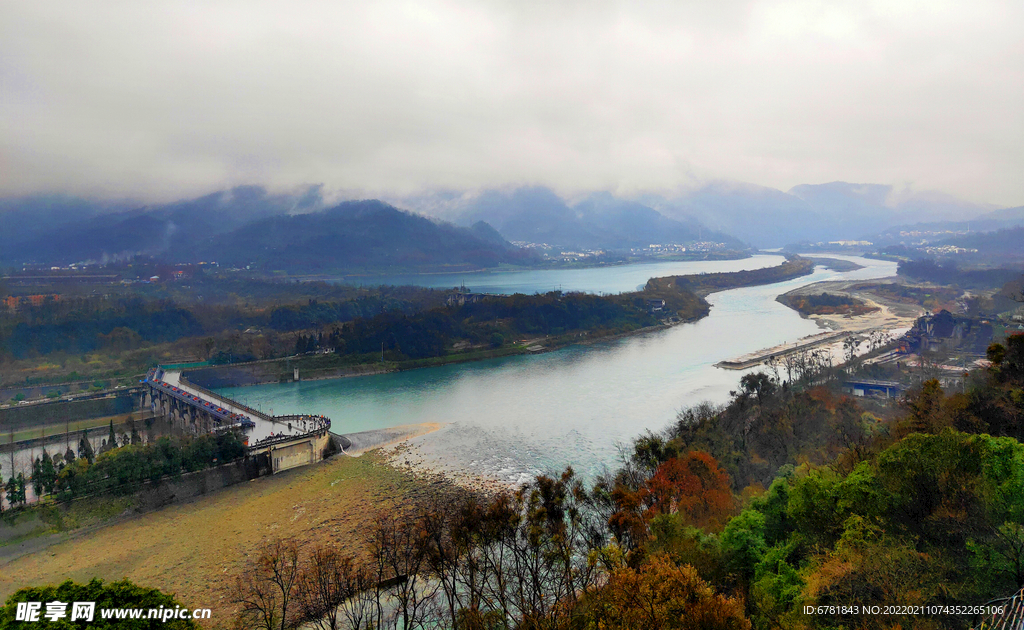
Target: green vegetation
(122, 594)
(223, 320)
(924, 507)
(705, 283)
(123, 464)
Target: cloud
(161, 99)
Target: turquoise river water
(514, 417)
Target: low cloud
(164, 99)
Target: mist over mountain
(767, 217)
(599, 221)
(249, 227)
(764, 217)
(935, 232)
(52, 229)
(361, 236)
(63, 230)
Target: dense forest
(110, 602)
(261, 322)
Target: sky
(164, 99)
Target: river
(514, 417)
(609, 279)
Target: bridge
(285, 441)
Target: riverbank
(364, 441)
(318, 367)
(38, 435)
(196, 549)
(678, 299)
(705, 284)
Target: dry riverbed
(889, 316)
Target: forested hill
(245, 226)
(360, 236)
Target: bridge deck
(263, 427)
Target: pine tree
(37, 476)
(11, 488)
(85, 447)
(48, 472)
(22, 495)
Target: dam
(284, 441)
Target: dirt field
(194, 550)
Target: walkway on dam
(265, 426)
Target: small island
(826, 304)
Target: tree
(850, 346)
(398, 552)
(926, 408)
(660, 596)
(122, 594)
(85, 447)
(323, 585)
(49, 472)
(266, 589)
(694, 486)
(111, 439)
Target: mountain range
(538, 215)
(298, 230)
(249, 227)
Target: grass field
(194, 550)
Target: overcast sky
(161, 99)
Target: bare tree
(324, 583)
(398, 550)
(266, 588)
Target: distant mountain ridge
(54, 229)
(246, 226)
(600, 221)
(361, 236)
(76, 230)
(768, 217)
(934, 232)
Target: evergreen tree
(11, 488)
(37, 477)
(112, 437)
(48, 472)
(85, 447)
(22, 495)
